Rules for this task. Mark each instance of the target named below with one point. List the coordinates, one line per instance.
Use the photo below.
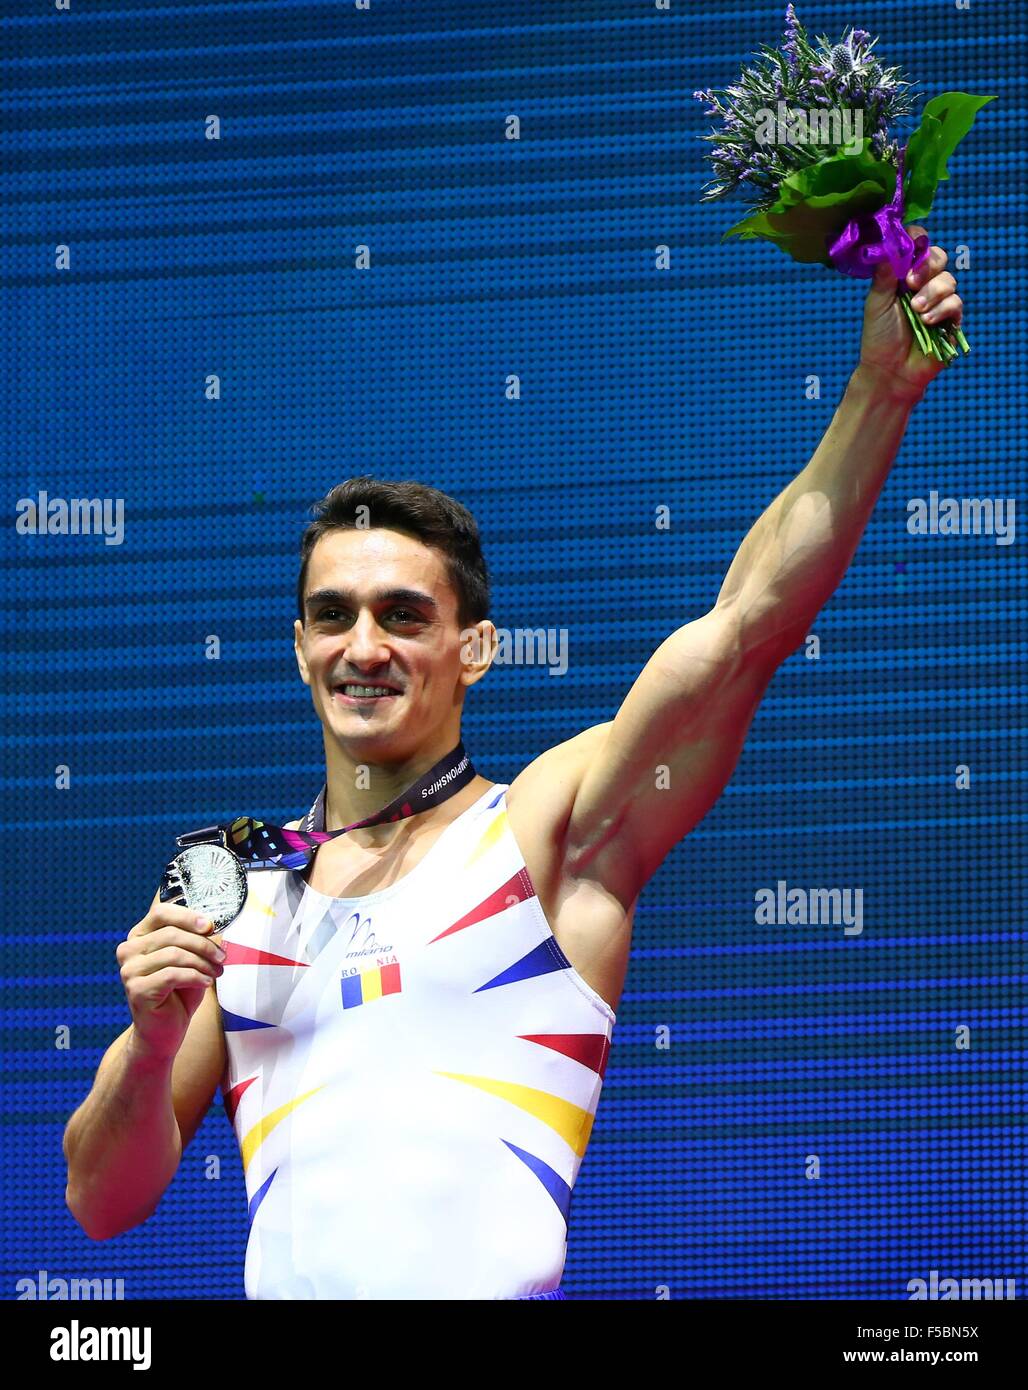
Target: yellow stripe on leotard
(254, 1137)
(572, 1123)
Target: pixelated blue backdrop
(193, 258)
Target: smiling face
(381, 646)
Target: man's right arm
(154, 1084)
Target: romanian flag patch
(370, 984)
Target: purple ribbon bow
(865, 242)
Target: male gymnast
(410, 1028)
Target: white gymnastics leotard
(412, 1077)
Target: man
(411, 1028)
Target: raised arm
(662, 762)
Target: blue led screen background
(640, 388)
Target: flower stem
(932, 338)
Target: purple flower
(791, 47)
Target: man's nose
(366, 644)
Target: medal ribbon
(261, 846)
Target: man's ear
(301, 660)
(478, 645)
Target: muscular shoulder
(559, 770)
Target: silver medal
(209, 879)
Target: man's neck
(357, 788)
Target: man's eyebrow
(415, 596)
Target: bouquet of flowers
(805, 133)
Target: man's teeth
(356, 691)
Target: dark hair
(423, 512)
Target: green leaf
(815, 203)
(756, 225)
(809, 225)
(838, 173)
(945, 121)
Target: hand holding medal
(168, 961)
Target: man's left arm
(662, 762)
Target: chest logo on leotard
(363, 941)
(361, 986)
(375, 971)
